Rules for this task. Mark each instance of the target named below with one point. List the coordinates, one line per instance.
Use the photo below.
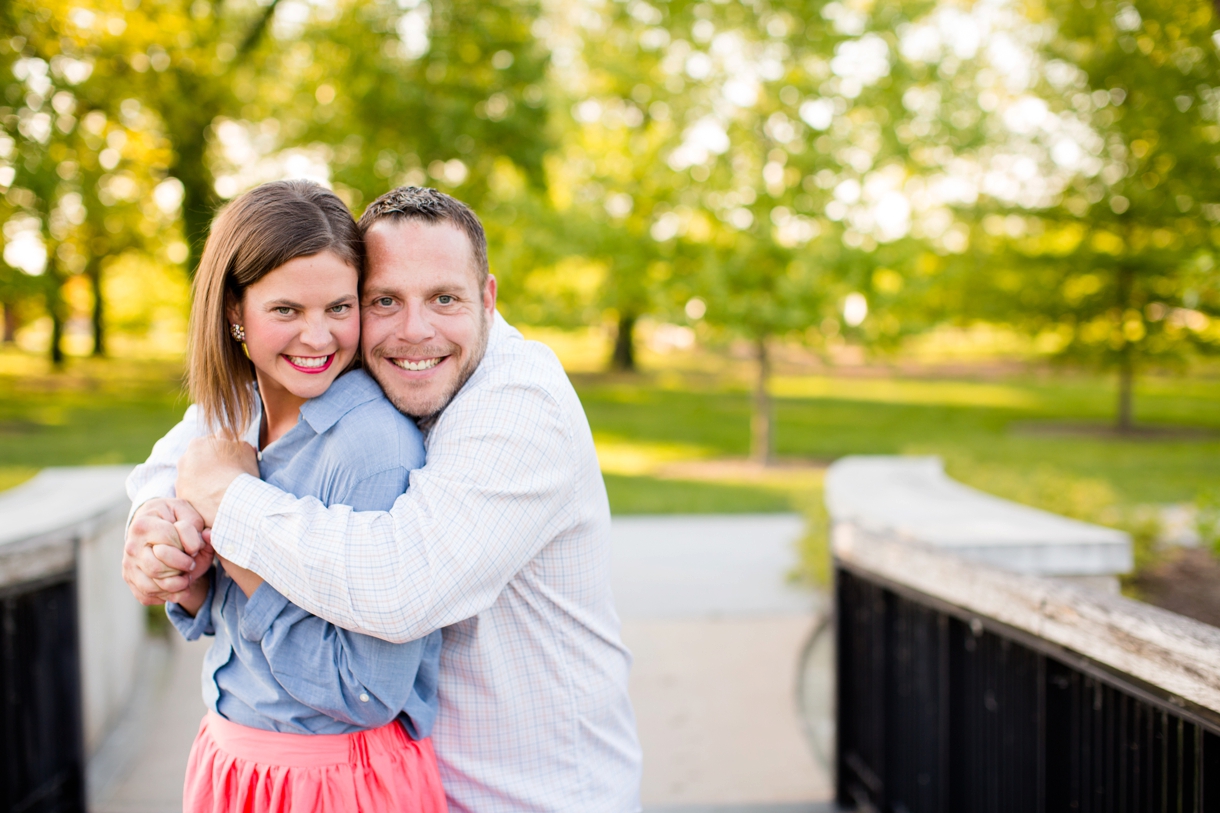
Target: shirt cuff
(192, 628)
(239, 519)
(262, 609)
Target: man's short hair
(431, 206)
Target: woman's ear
(233, 310)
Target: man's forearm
(395, 575)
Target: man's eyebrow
(378, 291)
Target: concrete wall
(912, 499)
(74, 519)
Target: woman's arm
(350, 677)
(356, 679)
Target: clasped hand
(168, 548)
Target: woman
(302, 715)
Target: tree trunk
(10, 323)
(623, 357)
(1126, 360)
(761, 440)
(55, 307)
(1126, 378)
(57, 337)
(94, 272)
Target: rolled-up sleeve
(498, 485)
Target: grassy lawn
(980, 428)
(91, 413)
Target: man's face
(424, 317)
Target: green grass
(971, 424)
(93, 412)
(652, 495)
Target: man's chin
(422, 403)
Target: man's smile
(417, 366)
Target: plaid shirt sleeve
(496, 487)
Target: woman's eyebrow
(284, 303)
(341, 300)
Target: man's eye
(383, 302)
(444, 299)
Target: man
(502, 539)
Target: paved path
(716, 633)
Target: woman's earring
(238, 332)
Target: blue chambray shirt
(275, 667)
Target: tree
(1141, 285)
(1103, 246)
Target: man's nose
(416, 326)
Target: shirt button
(364, 697)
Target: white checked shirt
(503, 540)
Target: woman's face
(302, 325)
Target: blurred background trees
(829, 174)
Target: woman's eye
(284, 311)
(344, 308)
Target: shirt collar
(349, 391)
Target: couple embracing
(386, 507)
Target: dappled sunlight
(906, 391)
(619, 455)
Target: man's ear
(489, 296)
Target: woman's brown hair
(252, 236)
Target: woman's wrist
(195, 595)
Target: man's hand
(164, 552)
(208, 468)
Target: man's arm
(164, 553)
(496, 489)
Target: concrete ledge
(912, 498)
(70, 522)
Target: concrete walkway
(716, 633)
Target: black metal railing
(41, 749)
(940, 710)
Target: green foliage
(1119, 267)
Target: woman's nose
(316, 333)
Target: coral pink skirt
(247, 770)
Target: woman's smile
(309, 364)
